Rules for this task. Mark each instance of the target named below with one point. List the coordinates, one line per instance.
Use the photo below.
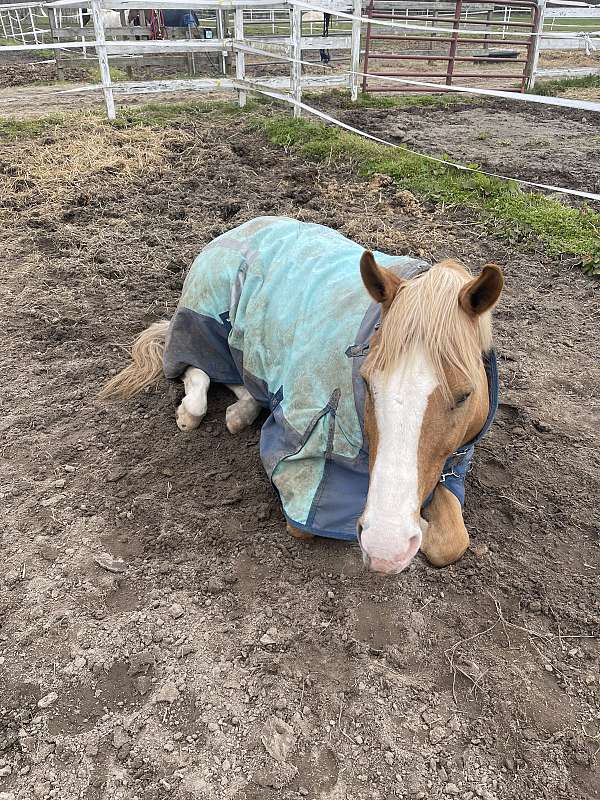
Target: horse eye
(462, 399)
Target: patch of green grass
(283, 28)
(116, 74)
(342, 99)
(11, 129)
(507, 209)
(566, 25)
(553, 88)
(165, 114)
(561, 24)
(41, 54)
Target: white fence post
(102, 55)
(355, 51)
(80, 21)
(21, 31)
(240, 58)
(10, 22)
(220, 21)
(296, 53)
(33, 26)
(535, 52)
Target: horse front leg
(304, 536)
(241, 414)
(193, 406)
(445, 536)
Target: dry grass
(85, 153)
(73, 206)
(583, 94)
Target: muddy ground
(552, 146)
(158, 625)
(14, 72)
(557, 147)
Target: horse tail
(146, 367)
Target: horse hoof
(185, 420)
(234, 421)
(303, 536)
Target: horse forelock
(426, 314)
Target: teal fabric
(287, 300)
(279, 305)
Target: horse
(378, 373)
(173, 18)
(110, 19)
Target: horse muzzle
(388, 560)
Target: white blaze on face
(391, 531)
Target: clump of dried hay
(50, 172)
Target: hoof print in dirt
(278, 738)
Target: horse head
(427, 395)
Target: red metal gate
(447, 35)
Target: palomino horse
(376, 397)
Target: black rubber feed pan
(507, 54)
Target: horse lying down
(377, 389)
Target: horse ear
(380, 283)
(482, 293)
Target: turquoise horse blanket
(279, 306)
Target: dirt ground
(161, 635)
(514, 139)
(557, 147)
(16, 73)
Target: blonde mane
(426, 313)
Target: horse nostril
(413, 545)
(396, 561)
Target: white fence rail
(24, 22)
(237, 46)
(557, 20)
(239, 43)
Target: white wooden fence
(238, 46)
(23, 22)
(241, 44)
(558, 19)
